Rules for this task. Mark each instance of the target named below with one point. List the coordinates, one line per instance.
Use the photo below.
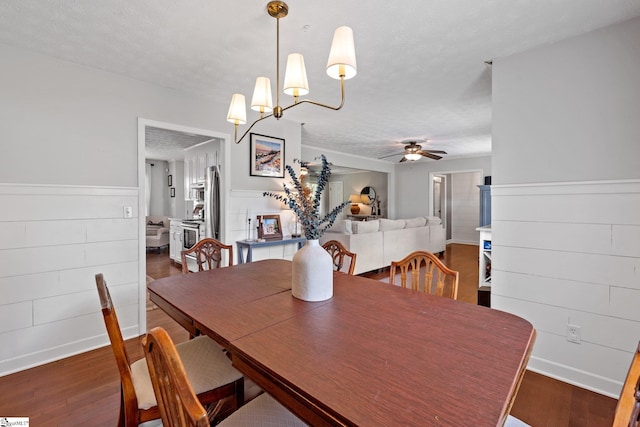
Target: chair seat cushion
(263, 411)
(514, 422)
(206, 365)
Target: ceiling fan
(413, 151)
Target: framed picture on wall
(269, 227)
(267, 156)
(173, 192)
(170, 180)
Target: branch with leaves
(305, 203)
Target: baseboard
(32, 360)
(576, 377)
(462, 242)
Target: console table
(249, 245)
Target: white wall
(465, 206)
(158, 181)
(353, 183)
(245, 199)
(356, 162)
(414, 189)
(77, 127)
(566, 207)
(177, 206)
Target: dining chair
(209, 369)
(262, 411)
(628, 408)
(178, 404)
(437, 279)
(177, 401)
(207, 252)
(338, 253)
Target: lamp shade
(354, 198)
(262, 100)
(413, 156)
(237, 110)
(295, 76)
(342, 57)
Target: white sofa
(157, 232)
(381, 241)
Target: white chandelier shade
(295, 76)
(342, 57)
(341, 65)
(262, 100)
(237, 110)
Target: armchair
(157, 232)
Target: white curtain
(147, 188)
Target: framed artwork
(170, 180)
(267, 156)
(173, 191)
(269, 227)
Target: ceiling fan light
(412, 156)
(295, 76)
(262, 100)
(342, 57)
(237, 110)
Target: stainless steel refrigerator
(212, 202)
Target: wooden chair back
(208, 252)
(179, 406)
(628, 409)
(427, 273)
(338, 253)
(130, 415)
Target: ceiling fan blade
(389, 155)
(435, 151)
(403, 159)
(431, 156)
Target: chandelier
(341, 65)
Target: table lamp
(355, 199)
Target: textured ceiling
(421, 70)
(164, 144)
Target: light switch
(127, 212)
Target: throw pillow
(362, 227)
(433, 220)
(391, 224)
(415, 222)
(341, 226)
(159, 223)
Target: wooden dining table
(373, 354)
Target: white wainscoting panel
(245, 204)
(569, 253)
(53, 240)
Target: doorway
(440, 207)
(455, 194)
(179, 137)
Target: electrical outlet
(573, 333)
(127, 212)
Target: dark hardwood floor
(83, 390)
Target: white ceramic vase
(312, 278)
